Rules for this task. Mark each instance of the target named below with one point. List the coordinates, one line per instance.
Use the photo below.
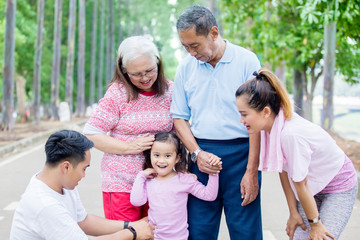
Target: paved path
(16, 171)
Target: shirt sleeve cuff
(88, 129)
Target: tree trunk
(56, 61)
(109, 43)
(308, 107)
(8, 84)
(112, 38)
(93, 53)
(80, 100)
(119, 22)
(308, 114)
(280, 72)
(101, 53)
(21, 97)
(38, 54)
(70, 55)
(298, 92)
(329, 66)
(212, 5)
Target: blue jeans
(244, 223)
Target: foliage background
(283, 33)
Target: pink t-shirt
(126, 121)
(168, 200)
(309, 151)
(345, 179)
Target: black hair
(66, 145)
(266, 90)
(196, 16)
(169, 137)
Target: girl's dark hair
(266, 90)
(169, 137)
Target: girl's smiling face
(163, 159)
(253, 121)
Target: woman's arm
(295, 219)
(109, 144)
(318, 230)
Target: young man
(51, 208)
(204, 90)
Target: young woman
(166, 186)
(318, 179)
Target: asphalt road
(16, 171)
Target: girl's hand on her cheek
(150, 173)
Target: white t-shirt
(45, 214)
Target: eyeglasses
(150, 73)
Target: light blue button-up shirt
(206, 95)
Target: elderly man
(204, 91)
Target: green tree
(80, 102)
(8, 92)
(70, 54)
(93, 52)
(55, 75)
(38, 54)
(287, 31)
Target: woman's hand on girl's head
(141, 144)
(319, 232)
(293, 222)
(150, 173)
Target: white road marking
(2, 218)
(20, 155)
(268, 235)
(12, 206)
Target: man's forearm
(183, 131)
(254, 152)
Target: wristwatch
(132, 230)
(126, 224)
(195, 154)
(314, 220)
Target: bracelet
(126, 224)
(132, 230)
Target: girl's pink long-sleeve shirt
(168, 199)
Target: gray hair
(196, 16)
(136, 46)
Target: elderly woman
(135, 107)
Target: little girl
(165, 185)
(318, 179)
